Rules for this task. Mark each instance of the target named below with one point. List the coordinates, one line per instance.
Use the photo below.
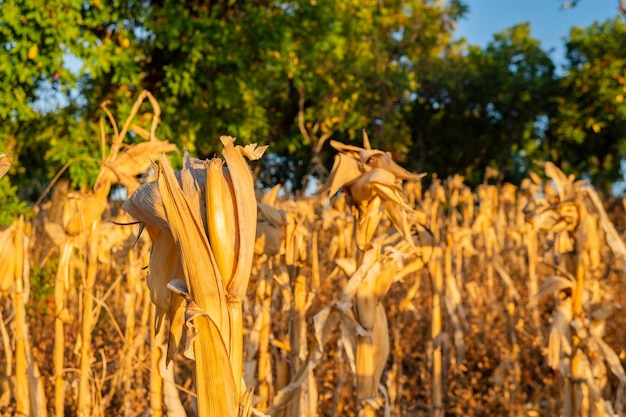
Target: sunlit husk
(221, 219)
(202, 222)
(146, 206)
(198, 262)
(81, 210)
(242, 185)
(165, 265)
(7, 258)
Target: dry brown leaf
(347, 265)
(552, 284)
(81, 210)
(146, 206)
(380, 335)
(5, 164)
(380, 159)
(377, 182)
(557, 341)
(56, 233)
(561, 181)
(612, 236)
(135, 159)
(164, 266)
(536, 179)
(352, 151)
(609, 355)
(271, 222)
(344, 171)
(271, 197)
(274, 216)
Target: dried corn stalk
(299, 215)
(189, 214)
(371, 182)
(269, 247)
(575, 346)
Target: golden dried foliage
(377, 296)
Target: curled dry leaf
(380, 159)
(372, 181)
(377, 182)
(5, 164)
(82, 209)
(344, 171)
(270, 232)
(125, 167)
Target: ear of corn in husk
(202, 208)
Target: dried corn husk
(82, 209)
(221, 225)
(188, 214)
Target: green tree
(484, 107)
(588, 132)
(288, 73)
(34, 38)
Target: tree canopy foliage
(589, 127)
(293, 74)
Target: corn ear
(197, 258)
(202, 222)
(214, 377)
(235, 185)
(220, 208)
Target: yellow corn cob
(221, 219)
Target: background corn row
(502, 301)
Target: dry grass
(384, 299)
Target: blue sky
(549, 22)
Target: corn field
(203, 295)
